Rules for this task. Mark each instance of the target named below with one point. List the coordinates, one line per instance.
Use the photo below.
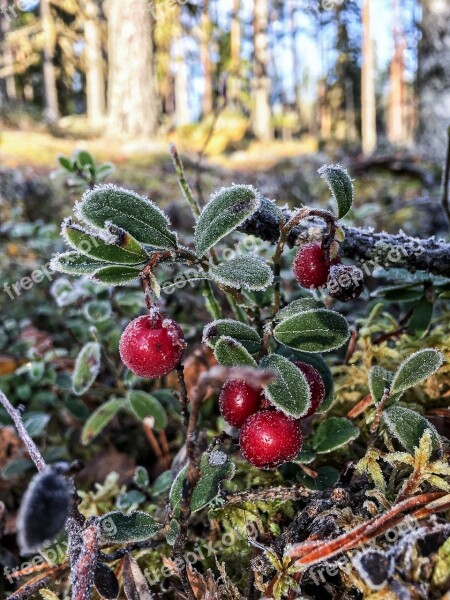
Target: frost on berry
(269, 438)
(44, 510)
(152, 345)
(345, 282)
(311, 266)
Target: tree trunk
(235, 51)
(262, 116)
(434, 78)
(295, 56)
(95, 80)
(9, 83)
(181, 84)
(368, 102)
(205, 42)
(51, 95)
(396, 130)
(133, 102)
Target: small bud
(345, 282)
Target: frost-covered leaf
(408, 427)
(118, 528)
(172, 532)
(215, 467)
(416, 368)
(105, 582)
(230, 353)
(244, 334)
(246, 272)
(341, 186)
(120, 247)
(289, 392)
(74, 263)
(226, 210)
(117, 275)
(318, 330)
(43, 511)
(333, 433)
(97, 311)
(135, 585)
(87, 368)
(100, 419)
(298, 306)
(135, 214)
(145, 405)
(379, 380)
(35, 423)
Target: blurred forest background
(355, 74)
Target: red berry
(152, 345)
(315, 383)
(310, 266)
(269, 438)
(238, 401)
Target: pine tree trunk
(51, 95)
(8, 84)
(235, 51)
(396, 130)
(181, 84)
(132, 98)
(95, 80)
(205, 42)
(434, 78)
(368, 103)
(295, 56)
(262, 116)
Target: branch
(363, 245)
(446, 181)
(15, 415)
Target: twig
(446, 181)
(183, 183)
(184, 399)
(84, 568)
(15, 415)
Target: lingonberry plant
(268, 380)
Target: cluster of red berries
(268, 438)
(152, 345)
(314, 269)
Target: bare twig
(184, 399)
(15, 415)
(446, 181)
(182, 181)
(84, 568)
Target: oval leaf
(416, 368)
(116, 275)
(226, 210)
(105, 582)
(145, 405)
(408, 427)
(118, 528)
(318, 330)
(245, 335)
(380, 379)
(230, 353)
(136, 214)
(341, 186)
(298, 306)
(100, 419)
(289, 392)
(122, 248)
(74, 263)
(215, 467)
(333, 433)
(135, 585)
(246, 272)
(87, 368)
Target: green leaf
(298, 306)
(420, 320)
(226, 210)
(118, 528)
(318, 330)
(123, 248)
(246, 272)
(318, 362)
(289, 392)
(408, 427)
(145, 405)
(215, 467)
(416, 368)
(87, 368)
(333, 433)
(66, 163)
(245, 335)
(100, 419)
(74, 263)
(230, 353)
(341, 186)
(135, 214)
(380, 379)
(326, 478)
(97, 311)
(84, 159)
(116, 275)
